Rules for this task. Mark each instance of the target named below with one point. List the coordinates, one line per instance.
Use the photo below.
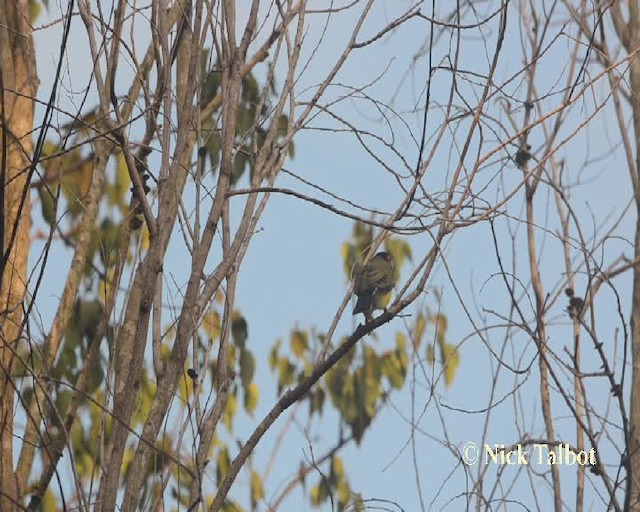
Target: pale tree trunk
(18, 85)
(629, 36)
(634, 420)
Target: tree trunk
(633, 503)
(18, 85)
(634, 420)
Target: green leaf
(48, 204)
(286, 373)
(239, 329)
(96, 376)
(283, 125)
(89, 314)
(239, 165)
(335, 379)
(209, 88)
(213, 145)
(63, 400)
(392, 370)
(72, 334)
(247, 367)
(317, 400)
(273, 355)
(420, 327)
(250, 89)
(224, 463)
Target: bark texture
(18, 85)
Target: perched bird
(372, 284)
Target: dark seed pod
(616, 390)
(522, 157)
(576, 303)
(575, 306)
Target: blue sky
(293, 272)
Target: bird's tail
(363, 304)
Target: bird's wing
(379, 274)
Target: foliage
(249, 134)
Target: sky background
(293, 275)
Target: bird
(372, 284)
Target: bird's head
(383, 255)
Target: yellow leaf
(186, 387)
(231, 356)
(224, 463)
(441, 323)
(230, 411)
(127, 459)
(49, 502)
(344, 493)
(273, 354)
(299, 343)
(145, 242)
(452, 361)
(286, 372)
(211, 323)
(247, 366)
(122, 180)
(392, 369)
(421, 324)
(251, 395)
(257, 489)
(337, 467)
(431, 356)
